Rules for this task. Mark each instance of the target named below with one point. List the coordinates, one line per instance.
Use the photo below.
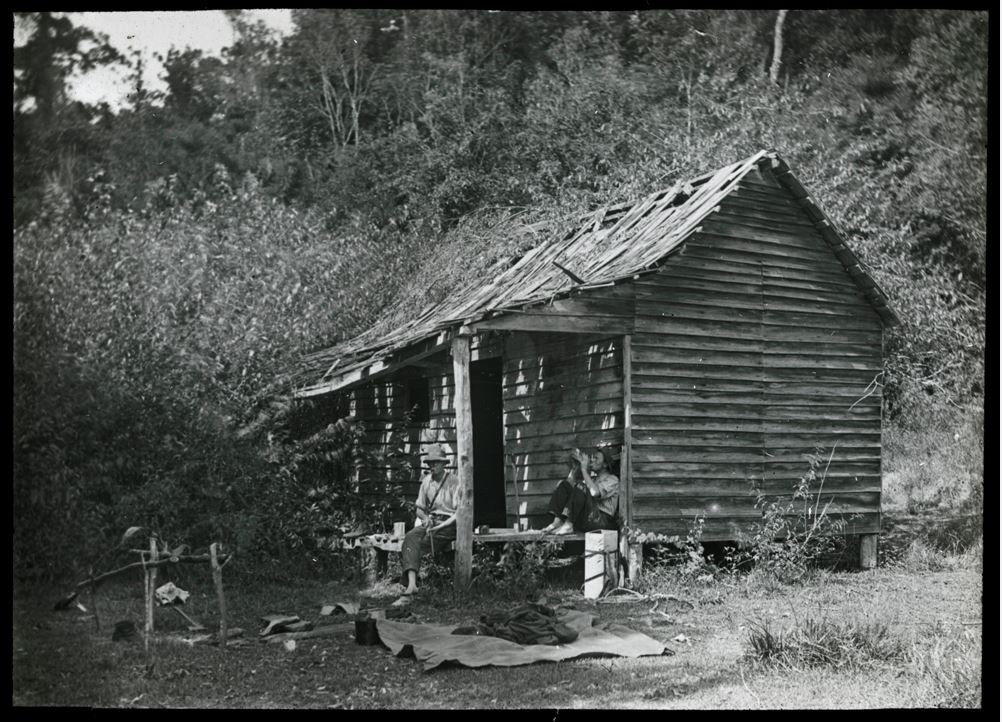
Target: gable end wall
(750, 346)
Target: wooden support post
(376, 564)
(601, 562)
(625, 459)
(624, 559)
(464, 458)
(635, 562)
(868, 551)
(146, 610)
(217, 579)
(150, 578)
(371, 565)
(93, 601)
(631, 561)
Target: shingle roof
(607, 245)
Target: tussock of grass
(973, 556)
(924, 556)
(920, 556)
(823, 643)
(953, 664)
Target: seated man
(436, 517)
(588, 498)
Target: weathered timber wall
(560, 391)
(752, 347)
(380, 405)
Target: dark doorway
(488, 443)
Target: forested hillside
(175, 257)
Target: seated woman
(436, 517)
(588, 498)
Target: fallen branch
(195, 624)
(654, 610)
(673, 598)
(203, 637)
(609, 598)
(328, 630)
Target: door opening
(488, 443)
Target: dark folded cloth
(527, 624)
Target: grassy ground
(929, 601)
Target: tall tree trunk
(777, 47)
(47, 81)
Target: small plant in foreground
(674, 561)
(794, 532)
(518, 572)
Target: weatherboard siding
(392, 449)
(559, 391)
(380, 405)
(752, 347)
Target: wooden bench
(604, 552)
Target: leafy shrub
(135, 377)
(313, 492)
(795, 533)
(671, 561)
(793, 536)
(517, 572)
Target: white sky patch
(156, 32)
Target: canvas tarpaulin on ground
(433, 644)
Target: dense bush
(145, 341)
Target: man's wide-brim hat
(435, 453)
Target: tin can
(365, 630)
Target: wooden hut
(717, 332)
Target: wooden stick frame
(150, 562)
